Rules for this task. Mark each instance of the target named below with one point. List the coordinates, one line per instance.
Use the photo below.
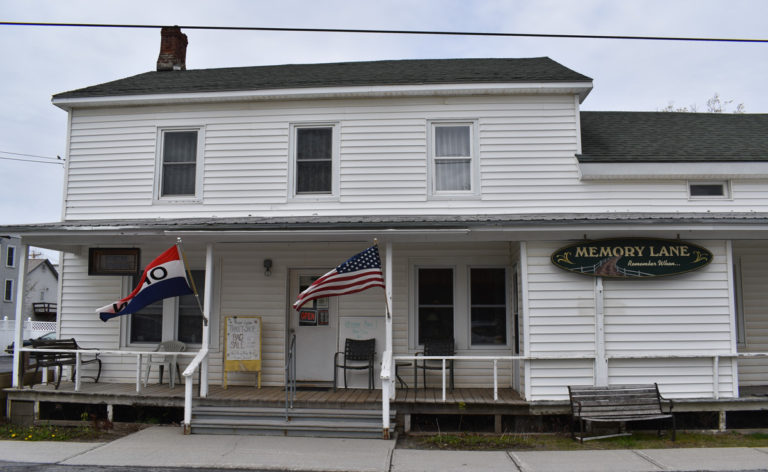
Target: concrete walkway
(164, 446)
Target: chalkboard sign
(242, 349)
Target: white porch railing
(387, 374)
(139, 360)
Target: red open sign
(307, 316)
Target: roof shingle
(394, 72)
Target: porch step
(314, 422)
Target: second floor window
(10, 256)
(452, 164)
(314, 160)
(179, 163)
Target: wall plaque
(631, 258)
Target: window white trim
(725, 185)
(8, 294)
(462, 318)
(335, 163)
(198, 196)
(170, 321)
(10, 251)
(474, 158)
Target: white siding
(753, 259)
(243, 289)
(527, 147)
(685, 314)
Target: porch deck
(163, 395)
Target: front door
(316, 328)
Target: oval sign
(631, 258)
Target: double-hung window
(176, 318)
(315, 160)
(179, 164)
(468, 303)
(8, 291)
(10, 256)
(435, 303)
(452, 158)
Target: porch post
(207, 320)
(601, 363)
(17, 381)
(387, 385)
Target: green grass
(563, 442)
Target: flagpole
(191, 280)
(386, 299)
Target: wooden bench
(617, 404)
(60, 359)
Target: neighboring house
(41, 290)
(471, 173)
(9, 275)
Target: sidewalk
(165, 446)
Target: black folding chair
(434, 347)
(358, 354)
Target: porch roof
(709, 225)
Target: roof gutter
(581, 89)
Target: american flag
(360, 272)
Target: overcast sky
(38, 62)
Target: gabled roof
(620, 136)
(33, 264)
(343, 74)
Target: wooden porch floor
(163, 395)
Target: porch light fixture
(267, 267)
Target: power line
(30, 155)
(34, 161)
(402, 32)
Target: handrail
(188, 385)
(290, 375)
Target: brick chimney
(173, 49)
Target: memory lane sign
(631, 258)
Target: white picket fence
(30, 329)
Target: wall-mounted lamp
(267, 267)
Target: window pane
(435, 302)
(453, 174)
(147, 324)
(179, 179)
(452, 141)
(10, 259)
(179, 162)
(314, 152)
(313, 177)
(180, 146)
(190, 318)
(707, 190)
(314, 143)
(8, 293)
(488, 306)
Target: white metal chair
(162, 360)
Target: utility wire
(34, 161)
(403, 32)
(57, 158)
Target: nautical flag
(360, 272)
(164, 277)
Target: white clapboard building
(554, 246)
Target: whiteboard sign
(242, 351)
(243, 338)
